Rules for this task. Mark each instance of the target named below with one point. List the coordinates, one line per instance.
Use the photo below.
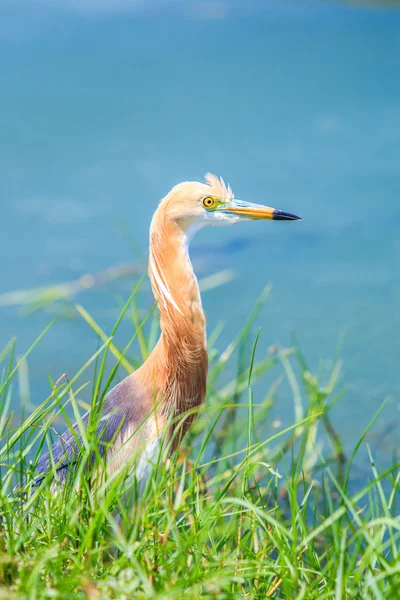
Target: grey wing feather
(65, 452)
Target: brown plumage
(156, 402)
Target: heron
(161, 397)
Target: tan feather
(218, 186)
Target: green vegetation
(244, 510)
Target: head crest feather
(217, 184)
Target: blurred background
(106, 104)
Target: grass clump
(241, 510)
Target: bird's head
(194, 205)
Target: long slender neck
(175, 287)
(177, 368)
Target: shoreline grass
(240, 511)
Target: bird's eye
(208, 202)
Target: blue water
(104, 106)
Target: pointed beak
(247, 210)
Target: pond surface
(103, 109)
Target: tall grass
(242, 509)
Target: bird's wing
(66, 451)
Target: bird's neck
(175, 287)
(177, 368)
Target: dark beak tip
(280, 215)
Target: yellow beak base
(258, 212)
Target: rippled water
(103, 109)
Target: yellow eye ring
(208, 202)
